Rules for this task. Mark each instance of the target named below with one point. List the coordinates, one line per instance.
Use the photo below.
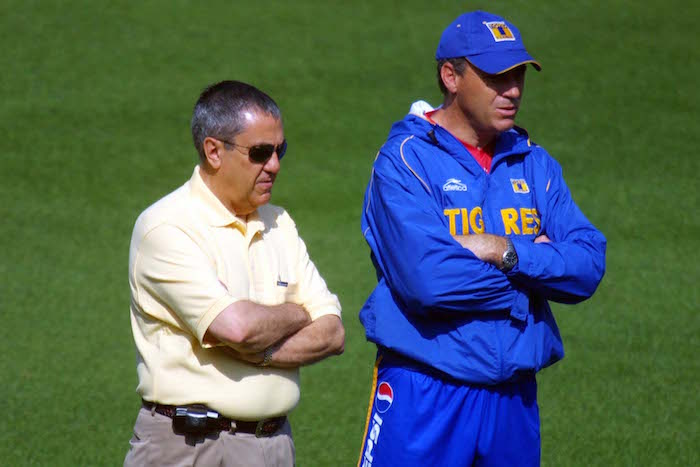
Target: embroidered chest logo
(452, 184)
(519, 185)
(500, 31)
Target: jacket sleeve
(569, 269)
(425, 268)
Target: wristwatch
(510, 256)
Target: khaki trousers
(155, 444)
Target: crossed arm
(488, 247)
(248, 329)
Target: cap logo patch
(500, 31)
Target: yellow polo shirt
(189, 259)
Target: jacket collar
(514, 141)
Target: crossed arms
(488, 247)
(248, 329)
(171, 273)
(417, 258)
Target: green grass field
(95, 101)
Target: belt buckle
(266, 427)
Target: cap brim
(502, 61)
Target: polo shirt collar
(213, 210)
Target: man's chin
(505, 124)
(262, 198)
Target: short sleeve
(175, 281)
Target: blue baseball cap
(488, 41)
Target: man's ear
(213, 152)
(448, 74)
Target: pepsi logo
(385, 396)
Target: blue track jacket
(436, 303)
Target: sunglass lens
(262, 153)
(281, 149)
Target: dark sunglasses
(261, 153)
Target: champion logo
(452, 184)
(385, 397)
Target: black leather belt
(201, 419)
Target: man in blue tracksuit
(472, 231)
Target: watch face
(510, 258)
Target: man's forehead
(260, 125)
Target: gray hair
(460, 65)
(219, 110)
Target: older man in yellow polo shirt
(225, 303)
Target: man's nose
(513, 89)
(273, 163)
(513, 83)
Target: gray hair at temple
(219, 111)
